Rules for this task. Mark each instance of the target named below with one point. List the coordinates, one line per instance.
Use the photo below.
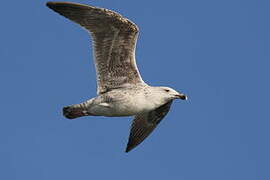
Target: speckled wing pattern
(144, 124)
(114, 41)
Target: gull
(120, 88)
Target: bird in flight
(120, 88)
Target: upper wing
(144, 124)
(114, 43)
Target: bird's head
(171, 94)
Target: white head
(170, 94)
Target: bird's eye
(167, 90)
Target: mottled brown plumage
(121, 90)
(114, 40)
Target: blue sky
(217, 52)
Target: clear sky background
(216, 52)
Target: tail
(77, 110)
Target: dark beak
(181, 96)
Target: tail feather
(75, 111)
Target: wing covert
(114, 41)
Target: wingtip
(127, 150)
(49, 3)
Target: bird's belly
(121, 110)
(117, 109)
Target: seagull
(120, 88)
